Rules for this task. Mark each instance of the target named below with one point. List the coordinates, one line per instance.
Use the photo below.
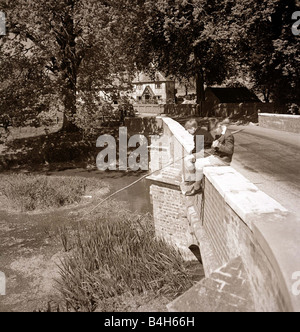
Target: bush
(31, 192)
(117, 255)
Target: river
(137, 197)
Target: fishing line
(140, 179)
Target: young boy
(192, 127)
(192, 185)
(220, 154)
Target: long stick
(142, 178)
(132, 184)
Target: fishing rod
(132, 184)
(142, 178)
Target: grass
(39, 192)
(115, 256)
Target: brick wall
(149, 108)
(215, 224)
(145, 126)
(232, 109)
(169, 213)
(180, 109)
(231, 237)
(256, 228)
(290, 123)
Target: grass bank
(26, 193)
(108, 261)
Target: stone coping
(276, 230)
(182, 135)
(241, 195)
(287, 116)
(279, 239)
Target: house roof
(234, 95)
(145, 78)
(149, 91)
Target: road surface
(271, 160)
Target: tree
(68, 46)
(178, 37)
(264, 46)
(217, 39)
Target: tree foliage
(59, 48)
(177, 37)
(212, 40)
(264, 47)
(61, 51)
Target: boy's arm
(228, 146)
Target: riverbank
(33, 246)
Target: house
(159, 89)
(230, 101)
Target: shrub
(116, 255)
(32, 192)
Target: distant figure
(295, 109)
(221, 153)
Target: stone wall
(290, 123)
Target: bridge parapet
(231, 220)
(170, 149)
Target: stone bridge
(246, 241)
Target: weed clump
(117, 255)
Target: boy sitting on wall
(219, 149)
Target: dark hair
(212, 123)
(192, 123)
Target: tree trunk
(69, 68)
(69, 99)
(266, 93)
(200, 87)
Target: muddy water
(136, 198)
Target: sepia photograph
(149, 158)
